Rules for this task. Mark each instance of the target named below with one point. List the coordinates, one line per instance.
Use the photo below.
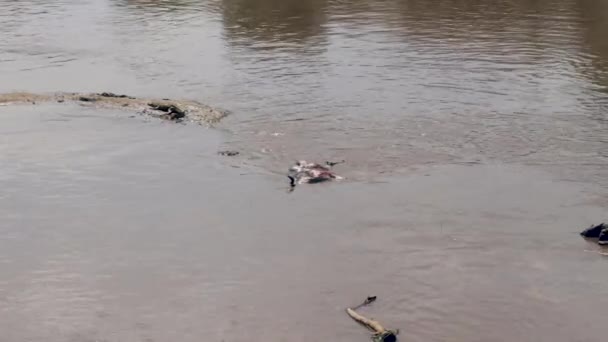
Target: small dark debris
(87, 99)
(228, 153)
(334, 163)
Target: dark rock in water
(603, 238)
(228, 153)
(594, 231)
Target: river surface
(475, 135)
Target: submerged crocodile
(175, 110)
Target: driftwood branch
(381, 334)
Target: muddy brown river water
(475, 135)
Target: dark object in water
(595, 231)
(599, 232)
(334, 163)
(87, 99)
(387, 336)
(303, 172)
(173, 111)
(173, 115)
(228, 153)
(380, 333)
(367, 301)
(603, 238)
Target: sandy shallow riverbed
(118, 228)
(163, 108)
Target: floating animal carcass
(304, 172)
